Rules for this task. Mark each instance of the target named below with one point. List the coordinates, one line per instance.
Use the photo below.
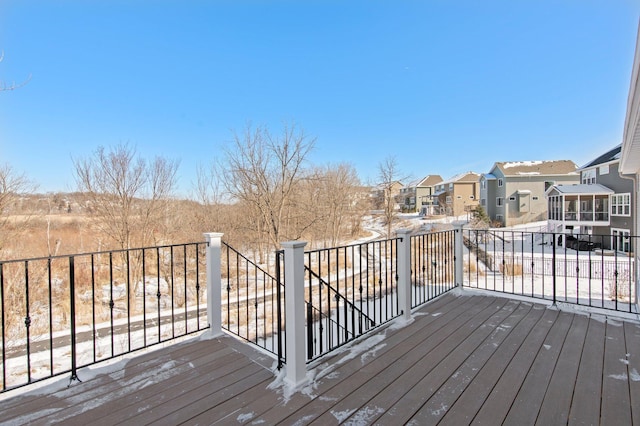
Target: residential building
(599, 207)
(513, 193)
(383, 192)
(458, 195)
(418, 196)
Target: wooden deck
(464, 359)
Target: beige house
(380, 193)
(458, 195)
(513, 193)
(418, 196)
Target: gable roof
(611, 155)
(462, 177)
(430, 180)
(543, 168)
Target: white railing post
(296, 367)
(404, 272)
(458, 253)
(214, 282)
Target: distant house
(600, 206)
(513, 193)
(458, 195)
(380, 193)
(418, 196)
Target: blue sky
(444, 86)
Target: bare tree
(389, 178)
(263, 172)
(12, 186)
(336, 195)
(127, 194)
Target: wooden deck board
(585, 405)
(632, 337)
(447, 396)
(557, 401)
(463, 359)
(616, 406)
(350, 376)
(499, 402)
(532, 391)
(404, 396)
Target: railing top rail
(89, 253)
(352, 245)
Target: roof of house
(428, 180)
(462, 177)
(595, 189)
(611, 155)
(536, 168)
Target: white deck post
(214, 282)
(404, 272)
(458, 253)
(296, 367)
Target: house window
(448, 199)
(483, 201)
(500, 182)
(499, 201)
(483, 184)
(512, 198)
(621, 204)
(500, 218)
(620, 240)
(604, 170)
(589, 177)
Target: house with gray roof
(513, 193)
(599, 208)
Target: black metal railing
(253, 301)
(432, 266)
(62, 313)
(589, 270)
(350, 290)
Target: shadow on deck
(463, 359)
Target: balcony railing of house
(63, 313)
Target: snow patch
(634, 376)
(624, 361)
(341, 416)
(440, 411)
(372, 353)
(437, 314)
(547, 347)
(521, 164)
(245, 417)
(365, 415)
(622, 376)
